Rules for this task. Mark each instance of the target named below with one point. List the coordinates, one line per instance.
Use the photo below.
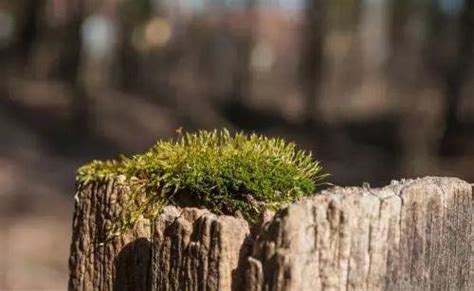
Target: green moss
(223, 172)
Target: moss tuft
(226, 173)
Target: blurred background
(377, 89)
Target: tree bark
(312, 55)
(410, 235)
(194, 249)
(183, 249)
(96, 264)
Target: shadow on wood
(410, 235)
(132, 266)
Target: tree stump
(410, 235)
(184, 249)
(95, 264)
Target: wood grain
(410, 235)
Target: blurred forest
(377, 89)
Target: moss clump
(223, 172)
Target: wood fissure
(416, 234)
(410, 235)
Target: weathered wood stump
(121, 263)
(410, 235)
(184, 249)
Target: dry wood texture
(196, 250)
(119, 264)
(410, 235)
(184, 249)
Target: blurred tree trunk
(128, 61)
(399, 11)
(16, 55)
(456, 73)
(70, 51)
(28, 30)
(132, 14)
(399, 66)
(311, 63)
(245, 44)
(69, 65)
